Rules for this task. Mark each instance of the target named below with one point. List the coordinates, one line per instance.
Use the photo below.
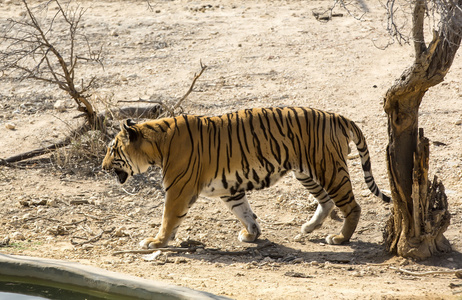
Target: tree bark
(408, 231)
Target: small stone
(52, 203)
(10, 126)
(58, 230)
(268, 260)
(5, 241)
(60, 105)
(365, 193)
(152, 256)
(87, 246)
(459, 122)
(18, 236)
(297, 260)
(180, 260)
(298, 238)
(120, 232)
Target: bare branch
(418, 26)
(203, 67)
(171, 110)
(393, 29)
(31, 51)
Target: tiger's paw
(336, 239)
(310, 227)
(152, 243)
(245, 236)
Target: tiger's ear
(128, 130)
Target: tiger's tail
(360, 141)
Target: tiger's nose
(105, 165)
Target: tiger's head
(125, 153)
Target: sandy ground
(258, 53)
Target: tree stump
(417, 230)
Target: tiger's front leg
(240, 207)
(175, 210)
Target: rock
(298, 238)
(5, 241)
(459, 122)
(58, 230)
(10, 126)
(87, 247)
(52, 203)
(18, 236)
(120, 232)
(152, 256)
(365, 193)
(60, 105)
(297, 260)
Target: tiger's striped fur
(227, 155)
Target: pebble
(10, 126)
(357, 274)
(459, 122)
(52, 203)
(298, 238)
(60, 105)
(365, 193)
(152, 256)
(18, 236)
(297, 260)
(120, 232)
(87, 246)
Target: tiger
(226, 156)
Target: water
(14, 296)
(10, 290)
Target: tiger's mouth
(121, 175)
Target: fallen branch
(458, 273)
(79, 202)
(105, 218)
(194, 248)
(34, 153)
(93, 239)
(149, 251)
(75, 223)
(148, 112)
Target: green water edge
(51, 290)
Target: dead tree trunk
(420, 211)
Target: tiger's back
(252, 149)
(227, 155)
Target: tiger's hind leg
(345, 201)
(325, 204)
(240, 207)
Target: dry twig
(149, 251)
(193, 247)
(171, 110)
(456, 272)
(93, 239)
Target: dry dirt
(258, 53)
